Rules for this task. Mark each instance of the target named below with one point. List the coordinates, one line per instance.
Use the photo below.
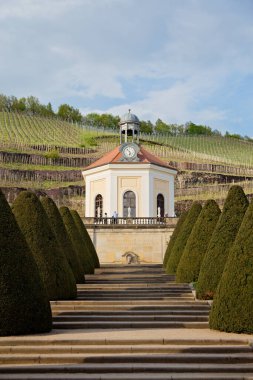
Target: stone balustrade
(131, 222)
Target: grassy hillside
(22, 130)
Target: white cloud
(167, 59)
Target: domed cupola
(129, 128)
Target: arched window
(129, 205)
(160, 205)
(99, 206)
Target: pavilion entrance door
(129, 205)
(160, 205)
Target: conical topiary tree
(85, 255)
(25, 308)
(62, 236)
(174, 237)
(75, 237)
(54, 269)
(182, 238)
(87, 240)
(222, 239)
(232, 308)
(196, 246)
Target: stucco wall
(145, 180)
(149, 244)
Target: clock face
(129, 152)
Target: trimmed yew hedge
(54, 269)
(25, 308)
(233, 303)
(75, 238)
(173, 238)
(182, 238)
(196, 246)
(87, 240)
(222, 239)
(62, 236)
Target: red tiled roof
(114, 156)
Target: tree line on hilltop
(32, 106)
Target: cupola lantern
(129, 128)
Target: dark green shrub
(196, 246)
(54, 269)
(86, 257)
(25, 308)
(182, 238)
(75, 238)
(87, 240)
(222, 239)
(173, 238)
(62, 236)
(233, 302)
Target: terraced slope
(129, 322)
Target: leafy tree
(92, 119)
(193, 129)
(233, 303)
(25, 308)
(222, 239)
(46, 110)
(63, 239)
(146, 127)
(69, 113)
(182, 238)
(162, 127)
(105, 120)
(109, 121)
(54, 269)
(20, 105)
(173, 238)
(87, 240)
(3, 102)
(233, 135)
(33, 105)
(196, 246)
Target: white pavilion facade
(129, 181)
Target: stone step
(124, 368)
(120, 276)
(114, 301)
(152, 312)
(128, 281)
(138, 303)
(127, 267)
(123, 349)
(132, 289)
(130, 308)
(129, 324)
(138, 360)
(135, 292)
(69, 341)
(122, 298)
(129, 376)
(130, 318)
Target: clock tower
(129, 180)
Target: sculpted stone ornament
(129, 152)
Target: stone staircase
(128, 322)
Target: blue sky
(180, 60)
